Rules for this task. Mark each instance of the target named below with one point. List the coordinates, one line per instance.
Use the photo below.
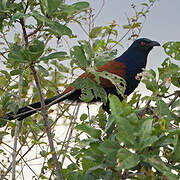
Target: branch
(177, 94)
(121, 38)
(34, 32)
(2, 54)
(47, 125)
(24, 30)
(147, 110)
(14, 154)
(100, 10)
(26, 7)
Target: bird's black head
(144, 45)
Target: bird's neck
(133, 58)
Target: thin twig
(71, 130)
(4, 38)
(2, 54)
(35, 31)
(26, 7)
(108, 37)
(174, 99)
(121, 38)
(100, 10)
(16, 130)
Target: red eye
(143, 43)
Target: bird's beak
(154, 43)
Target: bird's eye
(143, 43)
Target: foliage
(139, 140)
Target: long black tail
(33, 108)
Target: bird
(127, 66)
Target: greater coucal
(127, 66)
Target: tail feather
(33, 108)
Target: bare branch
(177, 94)
(47, 125)
(24, 31)
(35, 31)
(16, 129)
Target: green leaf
(5, 98)
(126, 132)
(3, 81)
(95, 32)
(18, 54)
(150, 80)
(101, 59)
(127, 26)
(3, 4)
(53, 56)
(144, 4)
(83, 117)
(74, 176)
(54, 27)
(7, 75)
(19, 16)
(62, 68)
(160, 166)
(176, 154)
(89, 90)
(13, 107)
(146, 139)
(3, 122)
(172, 49)
(115, 104)
(127, 159)
(135, 25)
(87, 48)
(126, 120)
(110, 125)
(44, 71)
(78, 56)
(96, 168)
(69, 10)
(87, 164)
(59, 29)
(43, 153)
(41, 19)
(116, 80)
(93, 132)
(109, 147)
(176, 104)
(80, 6)
(15, 72)
(52, 5)
(162, 108)
(35, 49)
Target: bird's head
(144, 45)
